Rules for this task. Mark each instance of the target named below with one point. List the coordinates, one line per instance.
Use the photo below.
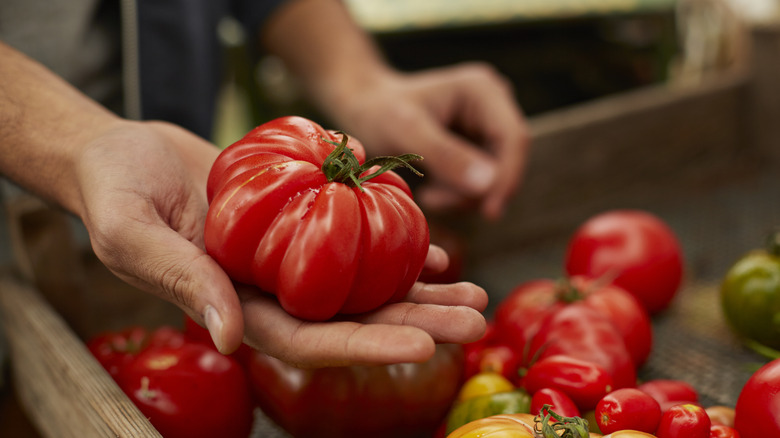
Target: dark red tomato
(723, 431)
(520, 314)
(685, 421)
(632, 249)
(581, 332)
(757, 413)
(560, 403)
(585, 383)
(670, 392)
(401, 400)
(296, 211)
(115, 349)
(628, 408)
(190, 391)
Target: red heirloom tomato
(190, 391)
(520, 314)
(685, 421)
(400, 400)
(628, 408)
(295, 211)
(581, 332)
(634, 249)
(186, 388)
(757, 413)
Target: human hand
(143, 202)
(463, 120)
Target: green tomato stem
(562, 427)
(342, 166)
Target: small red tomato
(669, 392)
(561, 403)
(628, 408)
(684, 421)
(584, 382)
(721, 431)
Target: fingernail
(214, 325)
(479, 176)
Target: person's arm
(392, 112)
(140, 189)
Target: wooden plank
(63, 389)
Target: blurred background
(555, 52)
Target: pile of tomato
(559, 359)
(571, 348)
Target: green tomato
(511, 402)
(750, 296)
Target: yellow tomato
(497, 426)
(629, 434)
(484, 384)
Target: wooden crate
(583, 158)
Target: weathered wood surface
(61, 386)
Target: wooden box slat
(58, 381)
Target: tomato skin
(519, 316)
(750, 298)
(670, 392)
(635, 249)
(757, 413)
(561, 403)
(581, 332)
(684, 421)
(409, 400)
(190, 391)
(723, 431)
(629, 434)
(584, 382)
(323, 248)
(628, 408)
(116, 349)
(519, 425)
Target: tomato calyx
(562, 427)
(341, 165)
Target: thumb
(160, 261)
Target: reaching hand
(463, 120)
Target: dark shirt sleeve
(253, 14)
